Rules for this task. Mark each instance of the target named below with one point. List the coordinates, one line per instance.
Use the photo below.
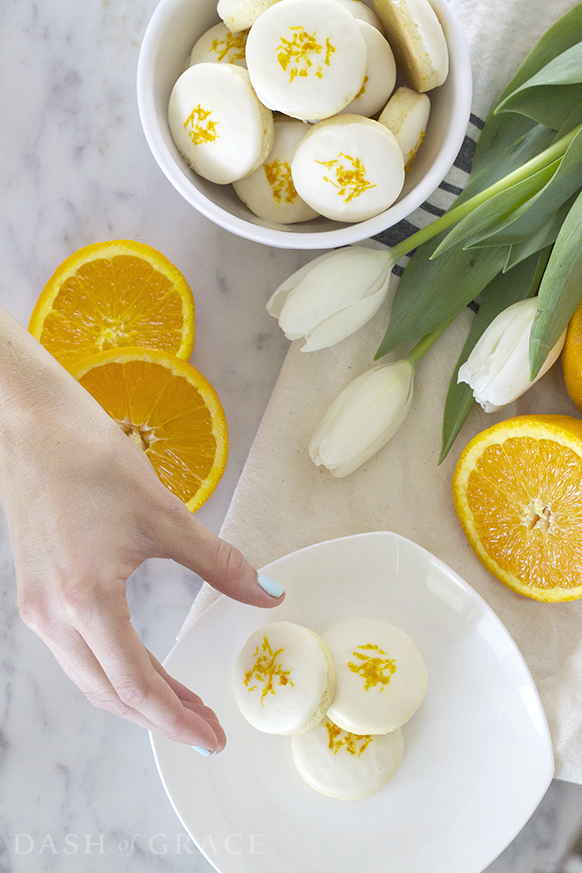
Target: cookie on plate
(346, 765)
(284, 678)
(381, 676)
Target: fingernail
(205, 752)
(268, 585)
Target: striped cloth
(442, 199)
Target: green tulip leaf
(572, 121)
(514, 155)
(551, 105)
(514, 165)
(500, 211)
(503, 129)
(431, 293)
(565, 69)
(526, 221)
(560, 290)
(545, 236)
(498, 134)
(500, 293)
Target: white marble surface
(79, 788)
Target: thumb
(219, 563)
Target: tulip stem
(548, 156)
(422, 347)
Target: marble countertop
(79, 787)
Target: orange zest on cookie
(375, 670)
(349, 180)
(340, 739)
(200, 128)
(266, 670)
(279, 177)
(233, 45)
(298, 53)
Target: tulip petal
(331, 285)
(498, 367)
(277, 299)
(345, 322)
(363, 418)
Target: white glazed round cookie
(218, 124)
(416, 36)
(346, 765)
(306, 59)
(218, 45)
(241, 14)
(269, 192)
(380, 75)
(381, 676)
(284, 678)
(362, 12)
(406, 115)
(348, 168)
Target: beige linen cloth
(283, 502)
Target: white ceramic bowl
(172, 31)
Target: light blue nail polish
(201, 751)
(268, 585)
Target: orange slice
(517, 490)
(169, 409)
(113, 294)
(572, 358)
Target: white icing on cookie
(346, 765)
(416, 36)
(380, 75)
(241, 14)
(306, 59)
(381, 676)
(348, 168)
(218, 45)
(284, 678)
(269, 192)
(362, 12)
(406, 115)
(218, 124)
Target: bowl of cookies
(304, 124)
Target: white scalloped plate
(477, 754)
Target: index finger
(138, 685)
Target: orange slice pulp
(169, 409)
(517, 490)
(112, 294)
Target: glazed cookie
(218, 45)
(269, 192)
(362, 12)
(284, 679)
(406, 115)
(348, 168)
(241, 14)
(380, 75)
(418, 41)
(346, 765)
(381, 676)
(218, 124)
(306, 59)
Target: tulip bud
(331, 297)
(498, 368)
(364, 416)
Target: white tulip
(331, 297)
(498, 368)
(364, 416)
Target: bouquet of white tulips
(512, 241)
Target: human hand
(84, 509)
